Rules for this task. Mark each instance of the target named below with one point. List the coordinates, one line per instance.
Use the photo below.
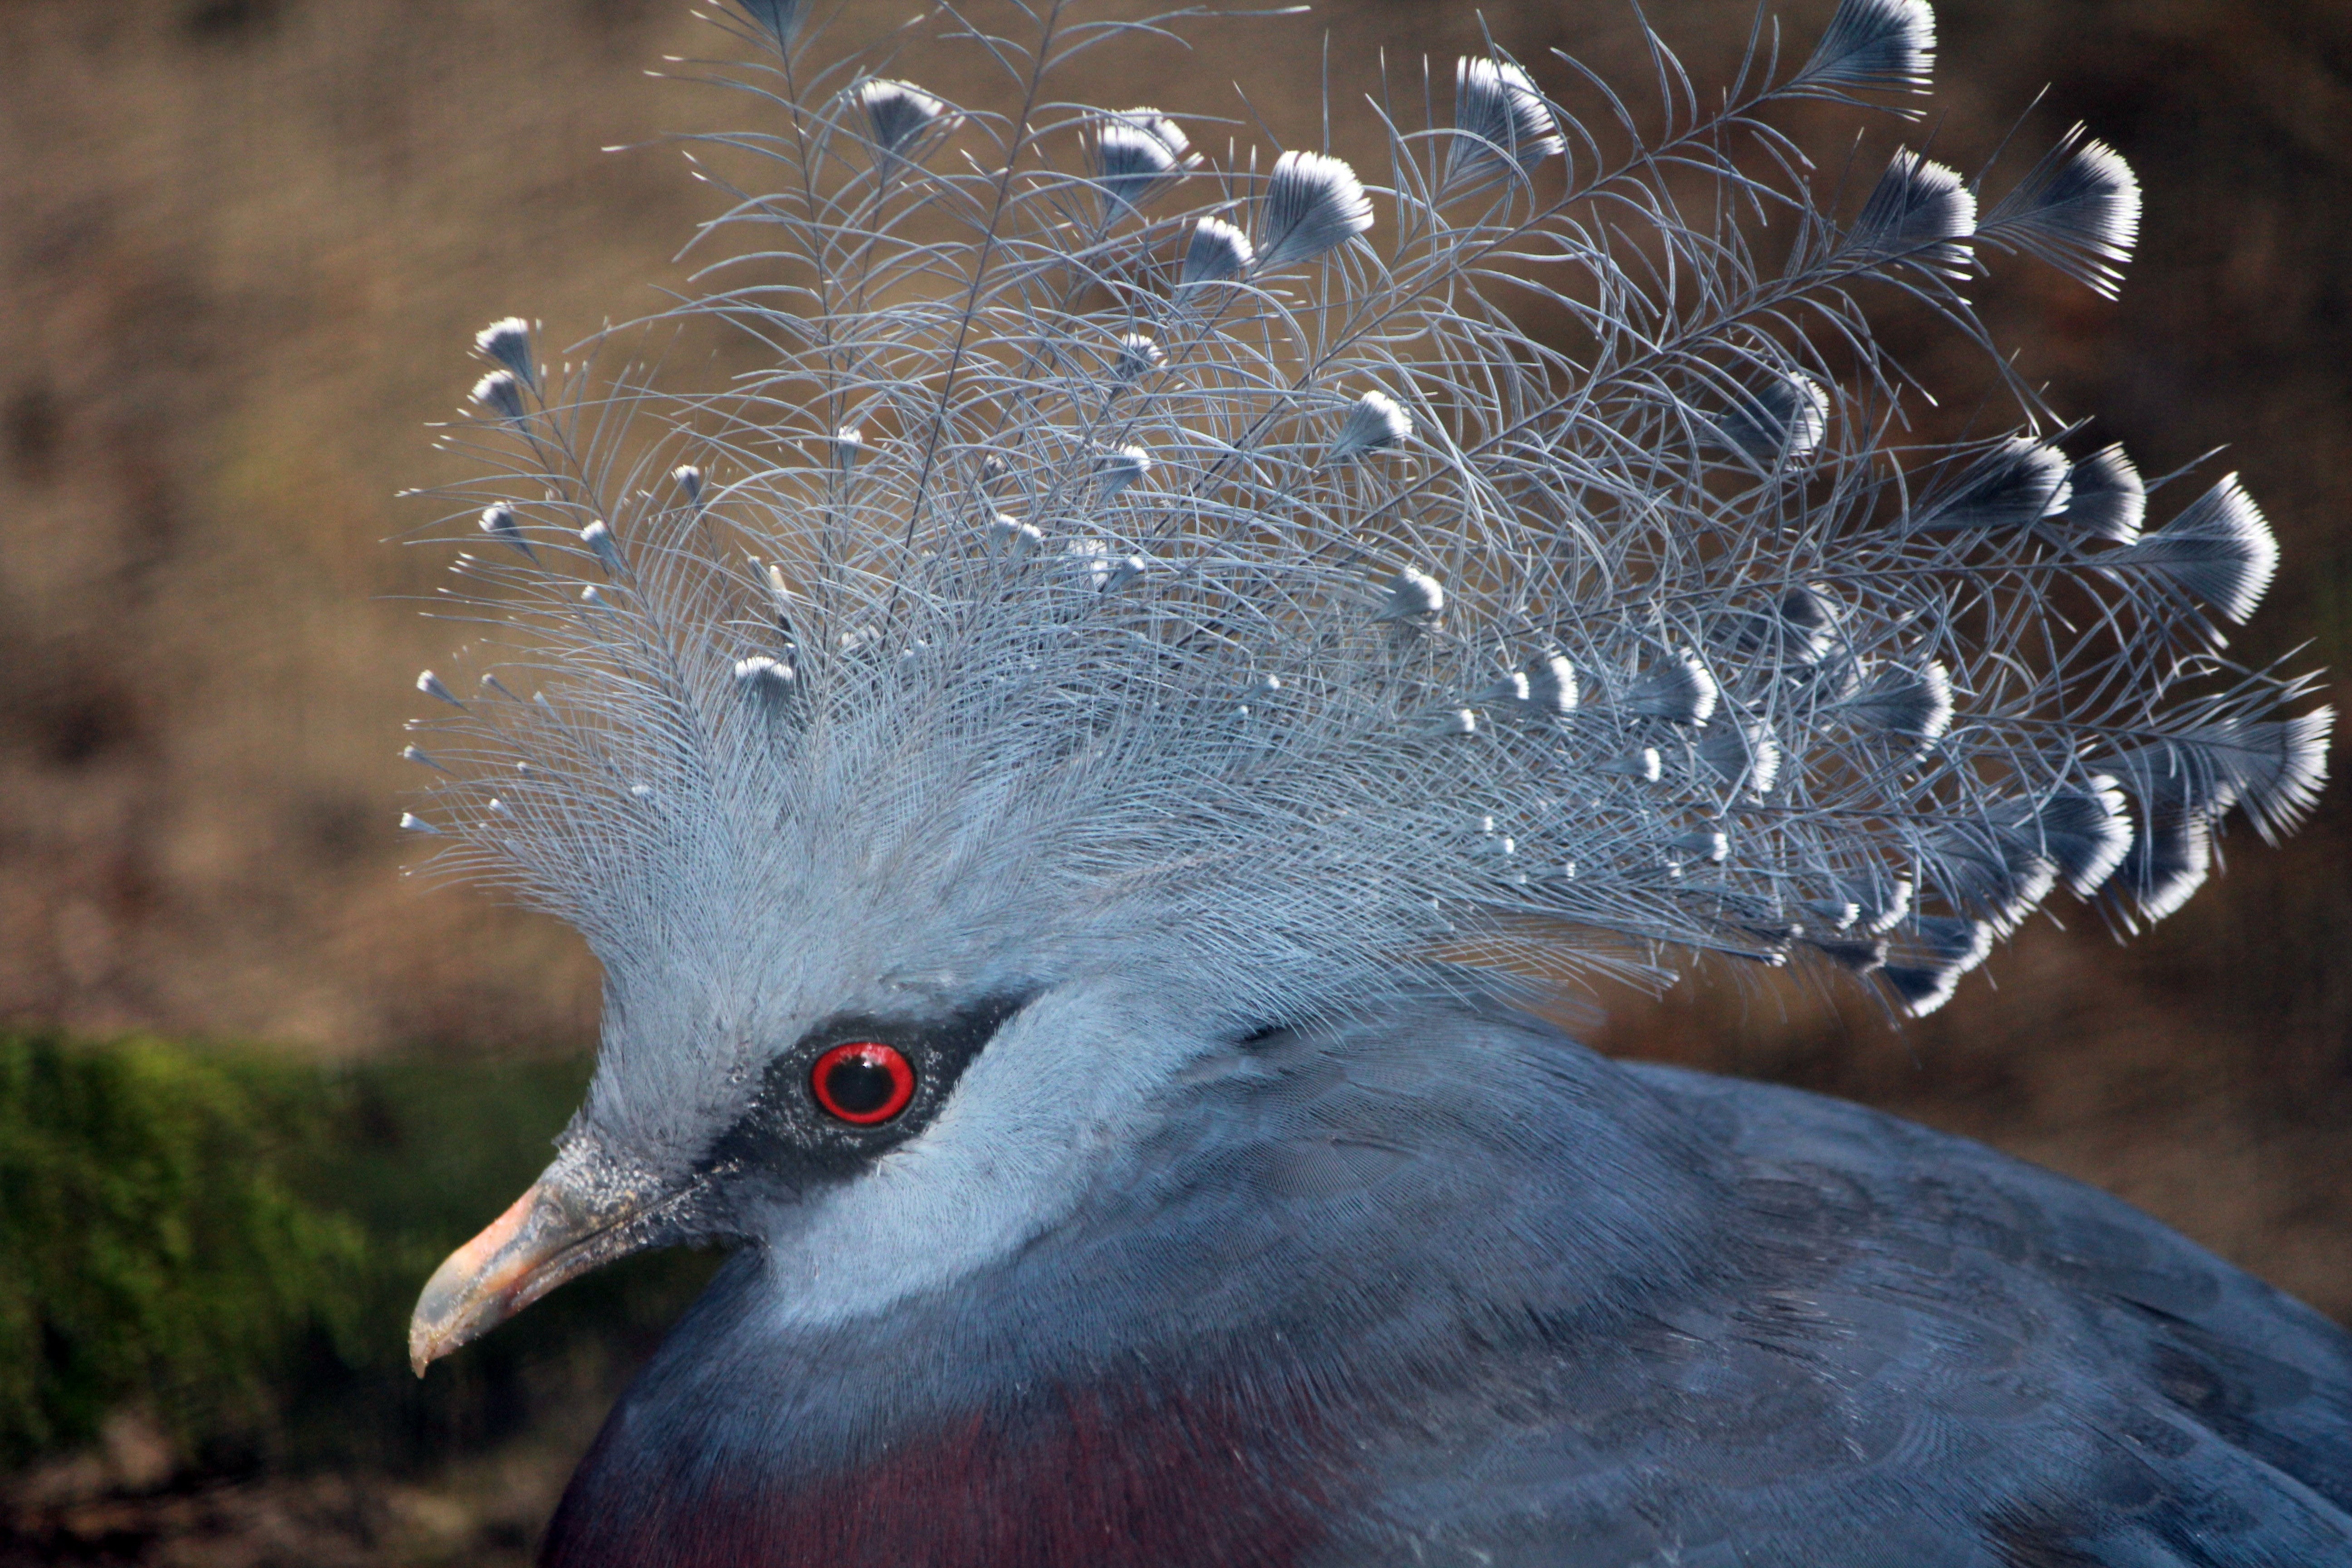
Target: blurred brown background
(243, 244)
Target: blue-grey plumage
(1061, 769)
(1438, 1286)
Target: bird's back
(1914, 1352)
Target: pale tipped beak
(552, 1234)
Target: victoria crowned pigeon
(1080, 763)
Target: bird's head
(883, 1042)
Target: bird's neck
(1191, 1372)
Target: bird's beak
(558, 1230)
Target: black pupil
(859, 1086)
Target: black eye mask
(802, 1128)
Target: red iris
(863, 1082)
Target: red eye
(863, 1082)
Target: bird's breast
(1111, 1477)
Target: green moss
(233, 1240)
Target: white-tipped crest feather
(1502, 120)
(1313, 202)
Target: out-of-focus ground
(243, 244)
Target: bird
(1086, 765)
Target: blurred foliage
(156, 1239)
(233, 1240)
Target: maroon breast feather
(1237, 1478)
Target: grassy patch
(232, 1240)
